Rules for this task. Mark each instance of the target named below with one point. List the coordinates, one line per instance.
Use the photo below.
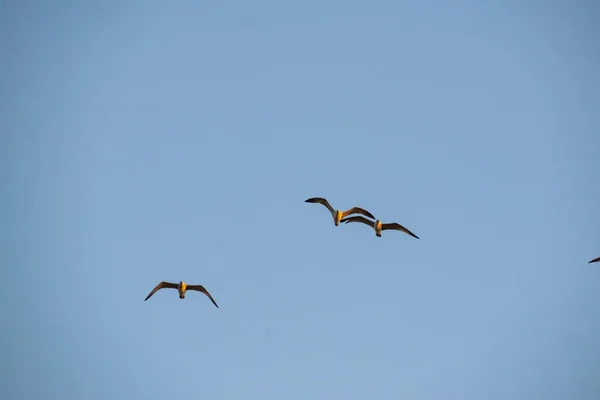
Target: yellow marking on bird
(378, 224)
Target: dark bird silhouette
(378, 226)
(181, 288)
(337, 214)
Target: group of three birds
(338, 216)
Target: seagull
(595, 260)
(181, 288)
(378, 226)
(337, 214)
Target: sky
(143, 141)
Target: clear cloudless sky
(143, 141)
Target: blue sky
(144, 141)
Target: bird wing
(397, 227)
(166, 285)
(358, 219)
(357, 210)
(595, 260)
(321, 200)
(200, 288)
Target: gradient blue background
(147, 140)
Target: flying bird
(595, 260)
(337, 214)
(181, 288)
(378, 226)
